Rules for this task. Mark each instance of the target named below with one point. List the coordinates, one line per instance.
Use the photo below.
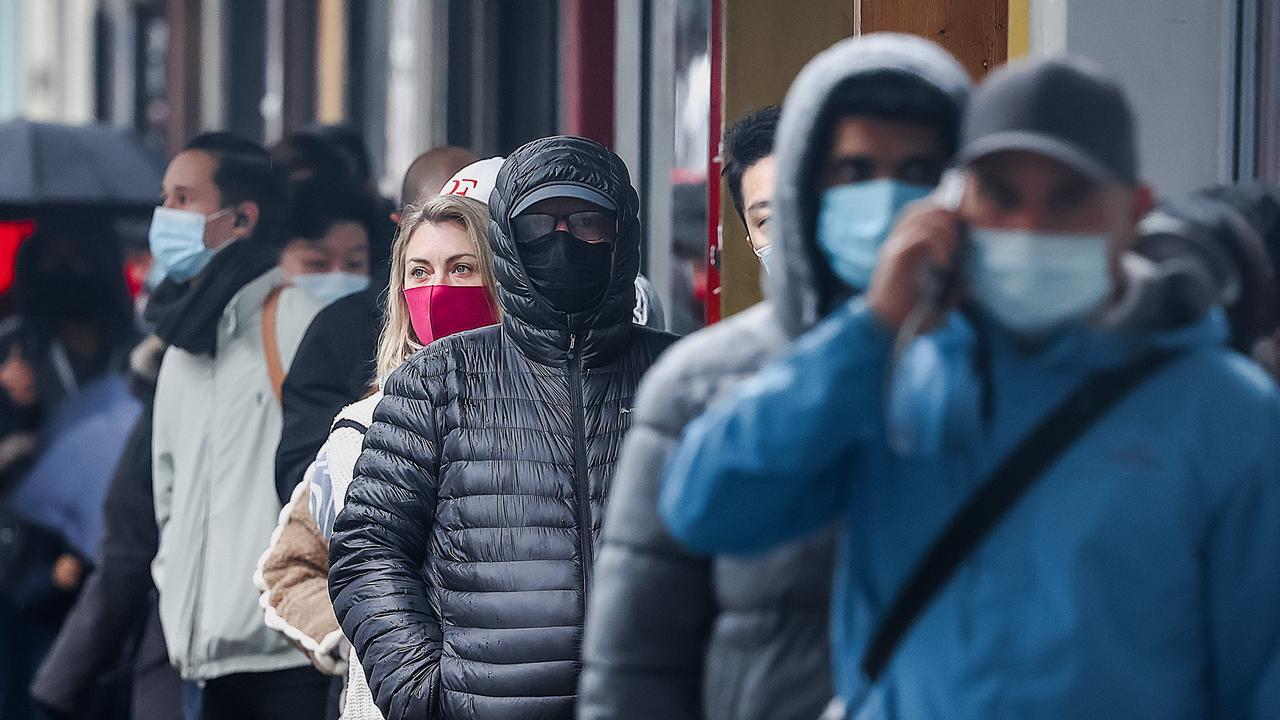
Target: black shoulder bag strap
(994, 499)
(349, 424)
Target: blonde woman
(441, 283)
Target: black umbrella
(46, 165)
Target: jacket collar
(245, 308)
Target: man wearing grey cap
(1080, 521)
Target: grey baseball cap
(564, 189)
(1066, 108)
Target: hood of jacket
(800, 285)
(542, 332)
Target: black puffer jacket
(332, 368)
(462, 560)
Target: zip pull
(573, 343)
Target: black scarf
(186, 314)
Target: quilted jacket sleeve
(380, 541)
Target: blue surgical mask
(1033, 283)
(854, 220)
(764, 254)
(155, 276)
(329, 286)
(176, 238)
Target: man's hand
(926, 236)
(17, 379)
(67, 572)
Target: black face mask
(571, 274)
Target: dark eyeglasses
(587, 225)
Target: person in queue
(749, 172)
(231, 325)
(334, 365)
(72, 331)
(673, 634)
(441, 283)
(327, 241)
(464, 552)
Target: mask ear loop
(230, 238)
(934, 286)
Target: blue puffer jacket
(1137, 578)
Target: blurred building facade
(655, 79)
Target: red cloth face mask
(437, 311)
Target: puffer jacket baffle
(461, 563)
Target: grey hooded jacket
(217, 424)
(675, 636)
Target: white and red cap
(475, 181)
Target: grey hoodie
(674, 636)
(800, 285)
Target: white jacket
(343, 449)
(217, 425)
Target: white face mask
(329, 286)
(1033, 283)
(764, 254)
(176, 238)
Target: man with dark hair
(749, 171)
(232, 324)
(334, 365)
(305, 155)
(676, 635)
(350, 144)
(354, 151)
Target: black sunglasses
(586, 225)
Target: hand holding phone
(917, 263)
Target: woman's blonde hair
(398, 340)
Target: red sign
(12, 234)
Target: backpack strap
(349, 424)
(996, 497)
(271, 343)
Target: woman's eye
(418, 272)
(461, 269)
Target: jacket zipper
(582, 482)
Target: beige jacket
(293, 574)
